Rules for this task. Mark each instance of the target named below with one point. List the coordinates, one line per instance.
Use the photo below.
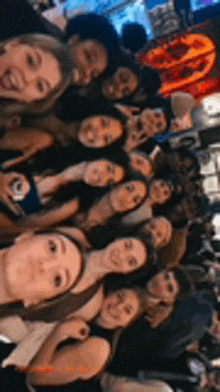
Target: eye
(128, 244)
(132, 262)
(31, 61)
(52, 246)
(58, 281)
(104, 122)
(170, 288)
(159, 234)
(41, 86)
(137, 200)
(120, 295)
(108, 139)
(88, 57)
(130, 188)
(111, 169)
(128, 310)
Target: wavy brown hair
(60, 52)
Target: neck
(74, 173)
(95, 270)
(5, 297)
(102, 211)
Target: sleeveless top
(92, 385)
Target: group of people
(100, 287)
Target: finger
(135, 110)
(13, 162)
(6, 200)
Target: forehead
(127, 72)
(93, 44)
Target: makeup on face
(125, 255)
(90, 61)
(40, 267)
(123, 83)
(119, 309)
(128, 196)
(102, 173)
(99, 131)
(27, 74)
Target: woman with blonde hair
(35, 70)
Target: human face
(27, 73)
(164, 287)
(127, 196)
(141, 164)
(40, 267)
(160, 230)
(119, 309)
(125, 255)
(99, 131)
(123, 83)
(160, 192)
(90, 61)
(102, 173)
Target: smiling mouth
(10, 81)
(114, 258)
(109, 90)
(111, 311)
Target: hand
(73, 329)
(126, 110)
(6, 193)
(13, 162)
(135, 135)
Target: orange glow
(184, 64)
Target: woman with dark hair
(84, 128)
(162, 192)
(29, 197)
(121, 199)
(93, 42)
(128, 84)
(119, 310)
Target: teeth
(110, 89)
(76, 75)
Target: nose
(88, 76)
(44, 265)
(90, 134)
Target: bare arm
(30, 142)
(79, 361)
(52, 217)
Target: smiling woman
(35, 70)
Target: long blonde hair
(51, 45)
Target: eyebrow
(68, 277)
(63, 245)
(39, 59)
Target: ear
(24, 236)
(73, 41)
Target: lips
(112, 311)
(114, 258)
(11, 81)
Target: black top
(140, 344)
(17, 17)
